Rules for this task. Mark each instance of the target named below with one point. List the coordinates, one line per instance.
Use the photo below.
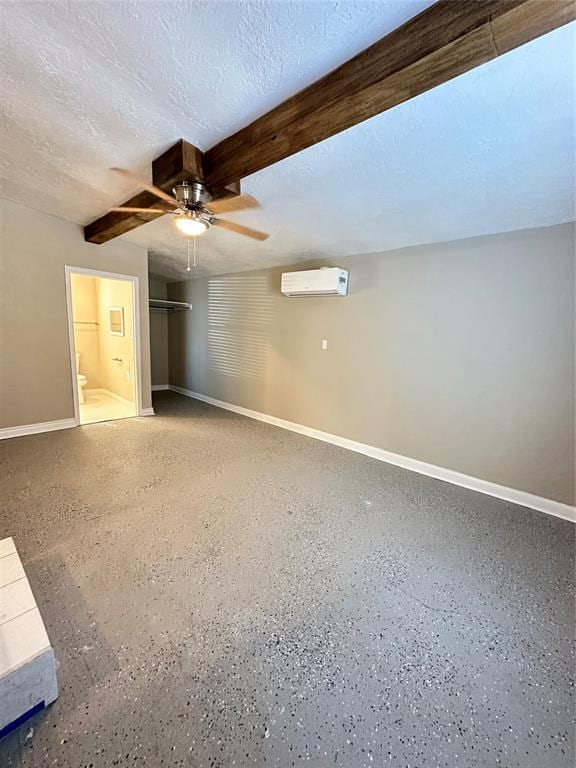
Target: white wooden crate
(27, 664)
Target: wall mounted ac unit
(328, 281)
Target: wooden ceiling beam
(117, 223)
(446, 40)
(183, 161)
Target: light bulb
(191, 226)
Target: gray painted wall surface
(158, 334)
(35, 372)
(458, 354)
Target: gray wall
(459, 354)
(35, 372)
(158, 333)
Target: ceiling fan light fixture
(191, 224)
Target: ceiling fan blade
(139, 210)
(228, 204)
(240, 230)
(150, 187)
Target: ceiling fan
(193, 207)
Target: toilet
(82, 380)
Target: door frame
(71, 270)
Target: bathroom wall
(158, 334)
(116, 377)
(86, 338)
(100, 351)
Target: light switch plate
(324, 343)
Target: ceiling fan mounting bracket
(191, 194)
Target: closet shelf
(163, 305)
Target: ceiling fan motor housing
(191, 194)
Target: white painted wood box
(27, 664)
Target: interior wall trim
(51, 426)
(33, 429)
(160, 387)
(522, 498)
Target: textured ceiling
(89, 85)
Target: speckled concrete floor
(221, 592)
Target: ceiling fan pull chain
(188, 267)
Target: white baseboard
(522, 498)
(34, 429)
(51, 426)
(160, 387)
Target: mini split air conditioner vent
(328, 281)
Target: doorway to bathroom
(104, 344)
